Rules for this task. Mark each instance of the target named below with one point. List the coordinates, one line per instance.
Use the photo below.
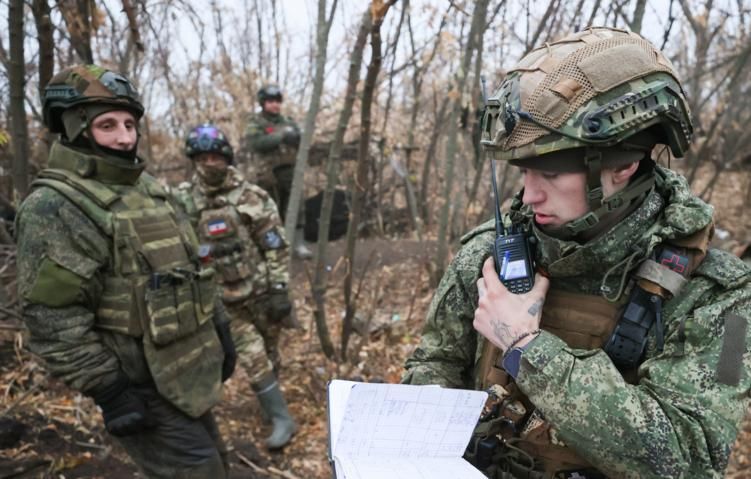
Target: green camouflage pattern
(263, 137)
(89, 306)
(87, 84)
(678, 420)
(596, 88)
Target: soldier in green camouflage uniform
(580, 117)
(273, 140)
(113, 293)
(242, 237)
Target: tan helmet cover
(593, 88)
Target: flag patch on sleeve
(217, 227)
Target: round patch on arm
(272, 240)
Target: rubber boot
(299, 250)
(275, 407)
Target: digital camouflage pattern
(596, 87)
(678, 420)
(250, 256)
(91, 308)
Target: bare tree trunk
(298, 181)
(332, 166)
(593, 14)
(417, 81)
(476, 123)
(378, 10)
(259, 26)
(17, 81)
(641, 7)
(135, 35)
(478, 21)
(429, 158)
(552, 7)
(41, 11)
(45, 40)
(277, 40)
(380, 165)
(77, 16)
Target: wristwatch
(512, 361)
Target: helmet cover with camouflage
(207, 138)
(595, 88)
(269, 92)
(600, 98)
(76, 95)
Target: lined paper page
(398, 420)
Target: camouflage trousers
(256, 339)
(178, 447)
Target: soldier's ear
(622, 174)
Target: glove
(291, 136)
(228, 346)
(123, 410)
(278, 301)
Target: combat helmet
(269, 92)
(595, 91)
(94, 90)
(207, 138)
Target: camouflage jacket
(65, 259)
(263, 137)
(678, 420)
(266, 252)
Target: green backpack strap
(91, 197)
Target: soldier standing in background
(273, 140)
(629, 356)
(112, 289)
(242, 237)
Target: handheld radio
(511, 250)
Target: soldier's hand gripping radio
(511, 249)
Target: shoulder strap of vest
(91, 197)
(657, 280)
(151, 186)
(234, 196)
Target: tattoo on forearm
(501, 330)
(536, 308)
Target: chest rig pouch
(530, 446)
(584, 322)
(153, 289)
(233, 252)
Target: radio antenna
(499, 229)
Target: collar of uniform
(218, 195)
(272, 117)
(104, 169)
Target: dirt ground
(62, 435)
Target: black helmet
(207, 138)
(269, 92)
(91, 87)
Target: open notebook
(398, 431)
